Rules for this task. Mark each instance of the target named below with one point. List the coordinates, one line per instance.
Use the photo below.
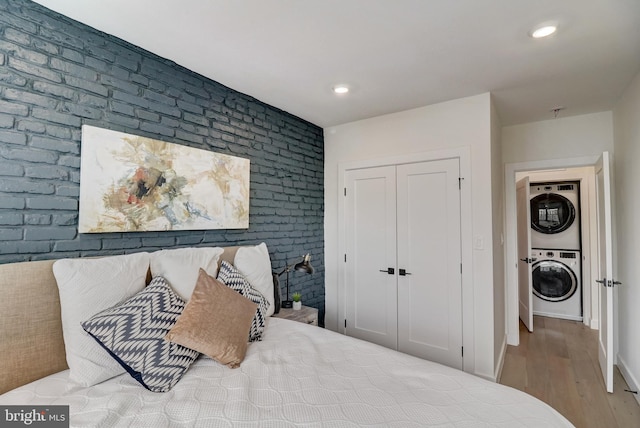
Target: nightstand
(307, 315)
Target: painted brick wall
(57, 74)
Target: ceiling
(393, 54)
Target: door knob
(403, 272)
(602, 281)
(390, 271)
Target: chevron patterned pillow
(233, 279)
(133, 333)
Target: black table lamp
(301, 266)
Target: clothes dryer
(555, 215)
(556, 281)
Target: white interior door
(605, 268)
(370, 211)
(523, 218)
(429, 261)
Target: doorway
(583, 247)
(576, 169)
(600, 242)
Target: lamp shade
(304, 265)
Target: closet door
(429, 261)
(370, 225)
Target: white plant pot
(297, 306)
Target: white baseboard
(490, 378)
(629, 377)
(513, 339)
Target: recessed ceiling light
(340, 89)
(544, 30)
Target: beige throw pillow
(216, 322)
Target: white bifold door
(403, 258)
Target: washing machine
(557, 286)
(555, 215)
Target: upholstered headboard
(31, 342)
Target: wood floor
(558, 363)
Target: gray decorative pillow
(233, 279)
(133, 333)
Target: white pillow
(86, 287)
(180, 267)
(254, 263)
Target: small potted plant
(297, 304)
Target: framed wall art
(131, 184)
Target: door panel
(371, 301)
(605, 267)
(523, 218)
(430, 294)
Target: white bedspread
(300, 375)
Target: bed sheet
(300, 375)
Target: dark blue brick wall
(57, 74)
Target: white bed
(299, 375)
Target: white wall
(459, 123)
(555, 143)
(627, 184)
(571, 137)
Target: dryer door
(553, 281)
(551, 213)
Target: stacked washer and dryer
(556, 250)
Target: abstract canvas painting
(130, 183)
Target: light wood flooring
(558, 363)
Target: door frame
(510, 248)
(463, 154)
